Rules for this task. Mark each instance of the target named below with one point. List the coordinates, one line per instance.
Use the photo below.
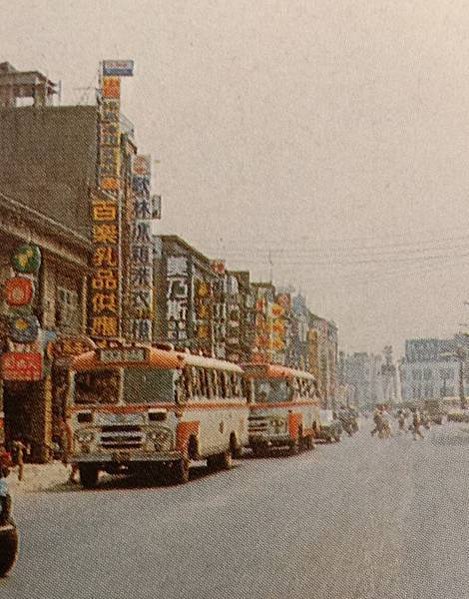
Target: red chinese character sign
(22, 366)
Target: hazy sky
(332, 134)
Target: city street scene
(234, 313)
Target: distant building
(430, 368)
(187, 290)
(240, 317)
(361, 373)
(323, 357)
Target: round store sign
(24, 328)
(26, 259)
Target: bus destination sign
(124, 354)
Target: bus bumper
(270, 440)
(125, 458)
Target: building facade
(432, 368)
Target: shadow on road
(135, 482)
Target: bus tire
(8, 548)
(180, 471)
(225, 460)
(297, 444)
(193, 449)
(259, 451)
(235, 447)
(89, 474)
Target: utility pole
(461, 354)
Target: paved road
(364, 519)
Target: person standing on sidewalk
(19, 451)
(67, 446)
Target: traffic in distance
(154, 410)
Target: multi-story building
(361, 375)
(50, 161)
(432, 368)
(186, 284)
(240, 315)
(323, 356)
(47, 164)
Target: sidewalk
(38, 477)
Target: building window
(67, 313)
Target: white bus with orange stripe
(284, 408)
(147, 409)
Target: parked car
(330, 428)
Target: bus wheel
(235, 448)
(225, 460)
(88, 476)
(220, 461)
(259, 451)
(180, 471)
(296, 445)
(8, 548)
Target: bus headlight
(161, 439)
(84, 437)
(278, 424)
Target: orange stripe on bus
(184, 431)
(284, 404)
(294, 422)
(113, 409)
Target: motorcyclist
(378, 420)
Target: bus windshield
(97, 386)
(271, 391)
(149, 385)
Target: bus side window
(187, 375)
(221, 384)
(213, 383)
(235, 384)
(204, 383)
(179, 387)
(247, 385)
(227, 386)
(195, 382)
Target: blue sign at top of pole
(118, 68)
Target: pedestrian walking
(416, 424)
(401, 418)
(379, 421)
(67, 446)
(19, 452)
(386, 431)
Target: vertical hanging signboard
(141, 252)
(106, 214)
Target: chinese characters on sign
(106, 293)
(105, 308)
(141, 251)
(177, 296)
(203, 300)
